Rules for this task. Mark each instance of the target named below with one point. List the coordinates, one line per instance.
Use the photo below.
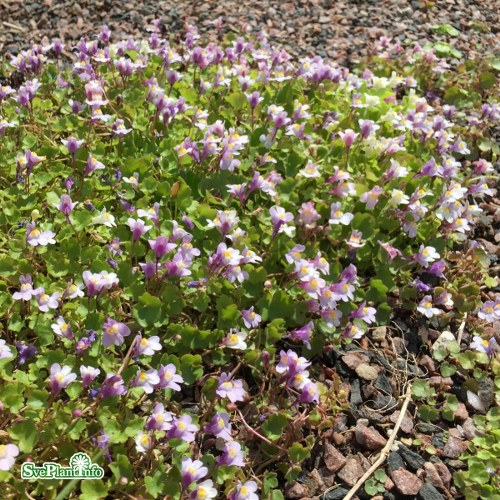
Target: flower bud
(35, 214)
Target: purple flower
(232, 455)
(161, 246)
(92, 164)
(348, 136)
(66, 205)
(310, 393)
(219, 426)
(490, 311)
(279, 219)
(88, 374)
(230, 389)
(8, 454)
(371, 197)
(302, 334)
(25, 351)
(146, 346)
(183, 428)
(367, 314)
(250, 318)
(62, 328)
(114, 332)
(96, 283)
(168, 379)
(60, 378)
(26, 291)
(159, 419)
(72, 144)
(113, 385)
(46, 301)
(148, 268)
(138, 228)
(191, 471)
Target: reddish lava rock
(334, 460)
(406, 482)
(351, 472)
(369, 438)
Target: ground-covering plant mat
(227, 274)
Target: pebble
(454, 447)
(412, 459)
(369, 438)
(406, 482)
(334, 460)
(351, 472)
(429, 492)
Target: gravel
(339, 29)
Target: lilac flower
(183, 428)
(5, 351)
(138, 228)
(235, 339)
(146, 346)
(486, 346)
(280, 219)
(62, 328)
(310, 393)
(26, 291)
(148, 268)
(160, 419)
(302, 334)
(245, 491)
(348, 136)
(66, 205)
(490, 311)
(168, 379)
(96, 283)
(35, 237)
(88, 374)
(60, 378)
(114, 332)
(147, 380)
(92, 164)
(230, 389)
(8, 454)
(113, 385)
(290, 363)
(204, 491)
(46, 301)
(367, 314)
(219, 426)
(114, 247)
(224, 221)
(232, 455)
(355, 240)
(426, 307)
(72, 144)
(119, 128)
(392, 251)
(161, 246)
(250, 318)
(370, 198)
(191, 471)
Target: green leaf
(26, 434)
(273, 427)
(93, 489)
(298, 453)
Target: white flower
(104, 218)
(426, 308)
(143, 442)
(236, 340)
